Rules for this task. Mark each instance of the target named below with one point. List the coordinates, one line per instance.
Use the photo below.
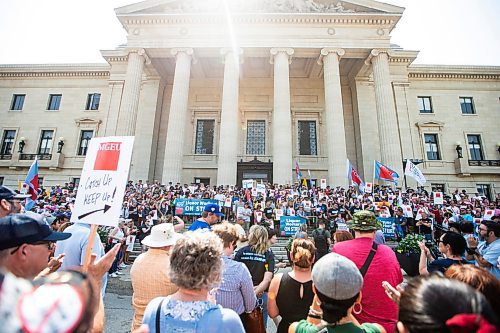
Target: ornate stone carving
(269, 6)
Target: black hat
(18, 229)
(7, 194)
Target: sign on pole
(103, 180)
(289, 225)
(438, 198)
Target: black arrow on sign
(105, 209)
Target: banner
(193, 207)
(103, 180)
(414, 172)
(388, 227)
(289, 225)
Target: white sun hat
(162, 235)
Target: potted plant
(408, 253)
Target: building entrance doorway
(256, 170)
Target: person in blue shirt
(211, 215)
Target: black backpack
(320, 241)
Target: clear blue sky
(453, 32)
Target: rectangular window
(76, 182)
(437, 187)
(256, 137)
(45, 142)
(467, 105)
(204, 181)
(93, 101)
(484, 189)
(7, 142)
(40, 182)
(85, 137)
(54, 102)
(431, 147)
(476, 152)
(307, 138)
(205, 137)
(17, 102)
(424, 104)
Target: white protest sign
(247, 183)
(254, 192)
(488, 214)
(438, 198)
(322, 183)
(261, 188)
(102, 183)
(258, 216)
(342, 226)
(227, 202)
(278, 213)
(368, 187)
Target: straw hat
(162, 235)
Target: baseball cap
(8, 194)
(364, 220)
(213, 208)
(337, 277)
(18, 229)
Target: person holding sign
(211, 215)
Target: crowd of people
(216, 274)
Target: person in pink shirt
(377, 263)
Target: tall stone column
(131, 92)
(282, 120)
(390, 144)
(334, 111)
(172, 165)
(228, 142)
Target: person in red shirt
(383, 266)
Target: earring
(360, 308)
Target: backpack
(320, 241)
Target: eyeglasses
(481, 229)
(46, 243)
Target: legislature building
(217, 91)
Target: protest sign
(278, 213)
(289, 225)
(247, 183)
(192, 207)
(368, 188)
(261, 188)
(341, 226)
(438, 198)
(488, 214)
(388, 227)
(322, 183)
(103, 180)
(227, 202)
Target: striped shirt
(236, 290)
(149, 275)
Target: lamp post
(60, 145)
(22, 143)
(458, 148)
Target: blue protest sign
(388, 226)
(289, 225)
(191, 206)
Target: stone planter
(409, 262)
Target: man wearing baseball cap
(377, 263)
(210, 215)
(26, 243)
(10, 201)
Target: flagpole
(405, 161)
(373, 180)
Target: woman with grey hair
(196, 268)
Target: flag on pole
(32, 183)
(414, 172)
(354, 177)
(385, 173)
(297, 171)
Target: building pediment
(162, 7)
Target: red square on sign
(108, 155)
(438, 195)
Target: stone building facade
(219, 91)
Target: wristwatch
(471, 251)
